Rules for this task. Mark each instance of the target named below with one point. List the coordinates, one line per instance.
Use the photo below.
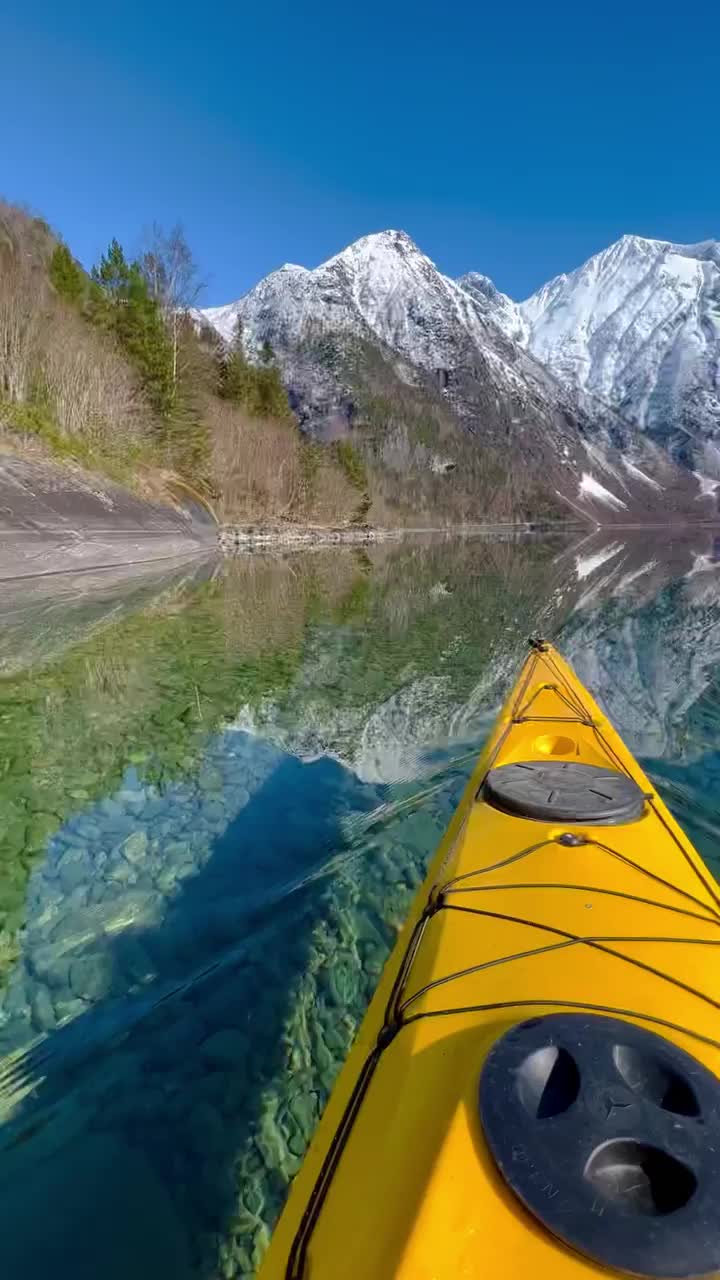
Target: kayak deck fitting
(533, 1089)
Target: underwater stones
(166, 879)
(242, 1258)
(140, 907)
(87, 828)
(252, 1200)
(210, 779)
(341, 982)
(134, 847)
(116, 828)
(303, 1107)
(110, 808)
(132, 801)
(91, 976)
(15, 999)
(206, 1131)
(121, 872)
(134, 960)
(68, 1007)
(51, 966)
(271, 1144)
(184, 869)
(336, 1039)
(239, 796)
(72, 868)
(374, 962)
(225, 1048)
(154, 807)
(178, 851)
(14, 1035)
(251, 1161)
(42, 1010)
(261, 1240)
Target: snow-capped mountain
(638, 326)
(381, 286)
(496, 306)
(461, 345)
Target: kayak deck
(518, 917)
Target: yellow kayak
(533, 1091)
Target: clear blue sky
(510, 138)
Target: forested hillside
(369, 390)
(112, 370)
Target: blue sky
(513, 138)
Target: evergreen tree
(233, 368)
(268, 398)
(120, 301)
(258, 388)
(66, 277)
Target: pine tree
(258, 388)
(268, 395)
(66, 277)
(120, 301)
(233, 368)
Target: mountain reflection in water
(220, 787)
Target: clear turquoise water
(220, 788)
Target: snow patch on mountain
(708, 485)
(640, 475)
(591, 488)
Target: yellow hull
(399, 1180)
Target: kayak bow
(532, 1092)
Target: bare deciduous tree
(172, 276)
(21, 316)
(92, 391)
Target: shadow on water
(130, 1136)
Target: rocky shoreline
(236, 538)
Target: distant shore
(234, 538)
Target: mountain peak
(378, 244)
(640, 242)
(637, 326)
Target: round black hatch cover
(610, 1135)
(562, 791)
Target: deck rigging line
(396, 1016)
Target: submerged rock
(91, 976)
(134, 848)
(226, 1048)
(43, 1013)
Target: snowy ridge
(538, 379)
(638, 325)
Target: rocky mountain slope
(637, 326)
(431, 376)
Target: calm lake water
(219, 787)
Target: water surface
(220, 787)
